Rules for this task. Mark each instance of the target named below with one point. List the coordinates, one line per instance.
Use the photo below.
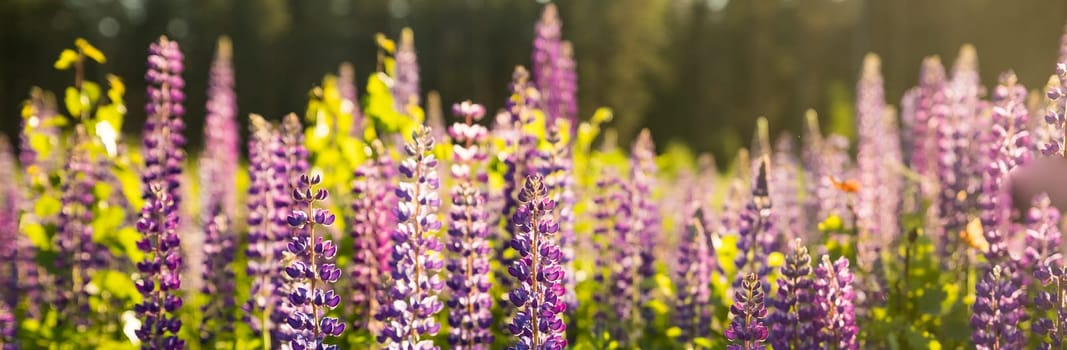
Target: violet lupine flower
(833, 301)
(929, 95)
(785, 191)
(468, 266)
(1043, 235)
(835, 164)
(693, 278)
(78, 254)
(8, 329)
(646, 219)
(997, 311)
(262, 266)
(747, 314)
(218, 166)
(518, 158)
(753, 228)
(289, 162)
(159, 280)
(416, 262)
(559, 179)
(346, 85)
(791, 322)
(375, 198)
(311, 271)
(9, 228)
(1050, 325)
(538, 324)
(1008, 149)
(608, 204)
(218, 276)
(554, 68)
(870, 109)
(406, 80)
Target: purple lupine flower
(610, 201)
(218, 166)
(159, 274)
(554, 68)
(870, 110)
(791, 321)
(785, 191)
(997, 311)
(78, 254)
(559, 179)
(747, 314)
(406, 80)
(835, 164)
(693, 278)
(929, 95)
(893, 183)
(468, 266)
(1008, 149)
(518, 158)
(311, 270)
(1043, 235)
(754, 227)
(646, 218)
(833, 300)
(218, 177)
(9, 230)
(416, 262)
(262, 242)
(289, 161)
(538, 297)
(965, 101)
(8, 329)
(1050, 323)
(375, 196)
(346, 85)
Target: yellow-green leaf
(46, 206)
(72, 99)
(89, 50)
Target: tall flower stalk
(79, 255)
(646, 219)
(747, 316)
(218, 204)
(997, 311)
(262, 242)
(1050, 323)
(794, 308)
(468, 265)
(406, 80)
(833, 300)
(693, 279)
(413, 298)
(9, 237)
(1008, 149)
(159, 278)
(289, 158)
(311, 270)
(374, 198)
(538, 297)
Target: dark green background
(693, 71)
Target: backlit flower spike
(158, 279)
(289, 157)
(998, 311)
(372, 226)
(791, 220)
(1008, 148)
(262, 242)
(519, 156)
(346, 85)
(756, 235)
(747, 316)
(538, 295)
(1043, 237)
(79, 256)
(406, 78)
(409, 307)
(609, 201)
(834, 304)
(646, 219)
(311, 271)
(559, 178)
(929, 100)
(693, 278)
(9, 224)
(1050, 323)
(554, 68)
(468, 265)
(794, 309)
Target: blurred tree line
(694, 71)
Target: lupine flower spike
(538, 297)
(312, 271)
(791, 321)
(1050, 323)
(262, 241)
(413, 300)
(997, 311)
(693, 278)
(747, 314)
(834, 295)
(159, 280)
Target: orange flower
(973, 235)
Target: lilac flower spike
(262, 241)
(646, 216)
(997, 311)
(468, 266)
(538, 324)
(833, 301)
(929, 105)
(79, 255)
(1009, 147)
(1043, 235)
(1050, 325)
(311, 271)
(9, 237)
(693, 278)
(375, 198)
(406, 82)
(747, 314)
(346, 85)
(554, 68)
(159, 274)
(413, 300)
(791, 321)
